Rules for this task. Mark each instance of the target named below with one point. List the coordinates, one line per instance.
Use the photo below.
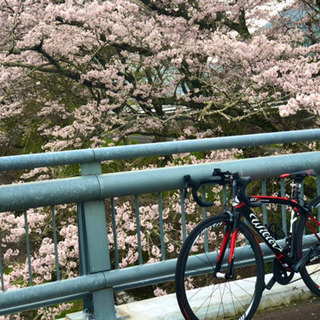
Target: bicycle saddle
(299, 174)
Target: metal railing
(101, 275)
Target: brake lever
(195, 187)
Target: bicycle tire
(310, 273)
(226, 298)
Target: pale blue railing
(100, 276)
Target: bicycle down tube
(264, 233)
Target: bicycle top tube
(277, 200)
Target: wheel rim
(310, 235)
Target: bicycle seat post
(298, 177)
(297, 189)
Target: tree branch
(207, 22)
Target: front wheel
(200, 294)
(308, 235)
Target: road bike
(220, 272)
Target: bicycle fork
(231, 232)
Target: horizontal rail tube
(85, 188)
(42, 304)
(119, 279)
(153, 149)
(52, 290)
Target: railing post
(94, 250)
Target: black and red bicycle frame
(241, 207)
(285, 257)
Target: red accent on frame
(314, 220)
(313, 230)
(268, 197)
(242, 204)
(285, 175)
(310, 171)
(224, 244)
(233, 244)
(295, 208)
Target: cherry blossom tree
(89, 73)
(78, 69)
